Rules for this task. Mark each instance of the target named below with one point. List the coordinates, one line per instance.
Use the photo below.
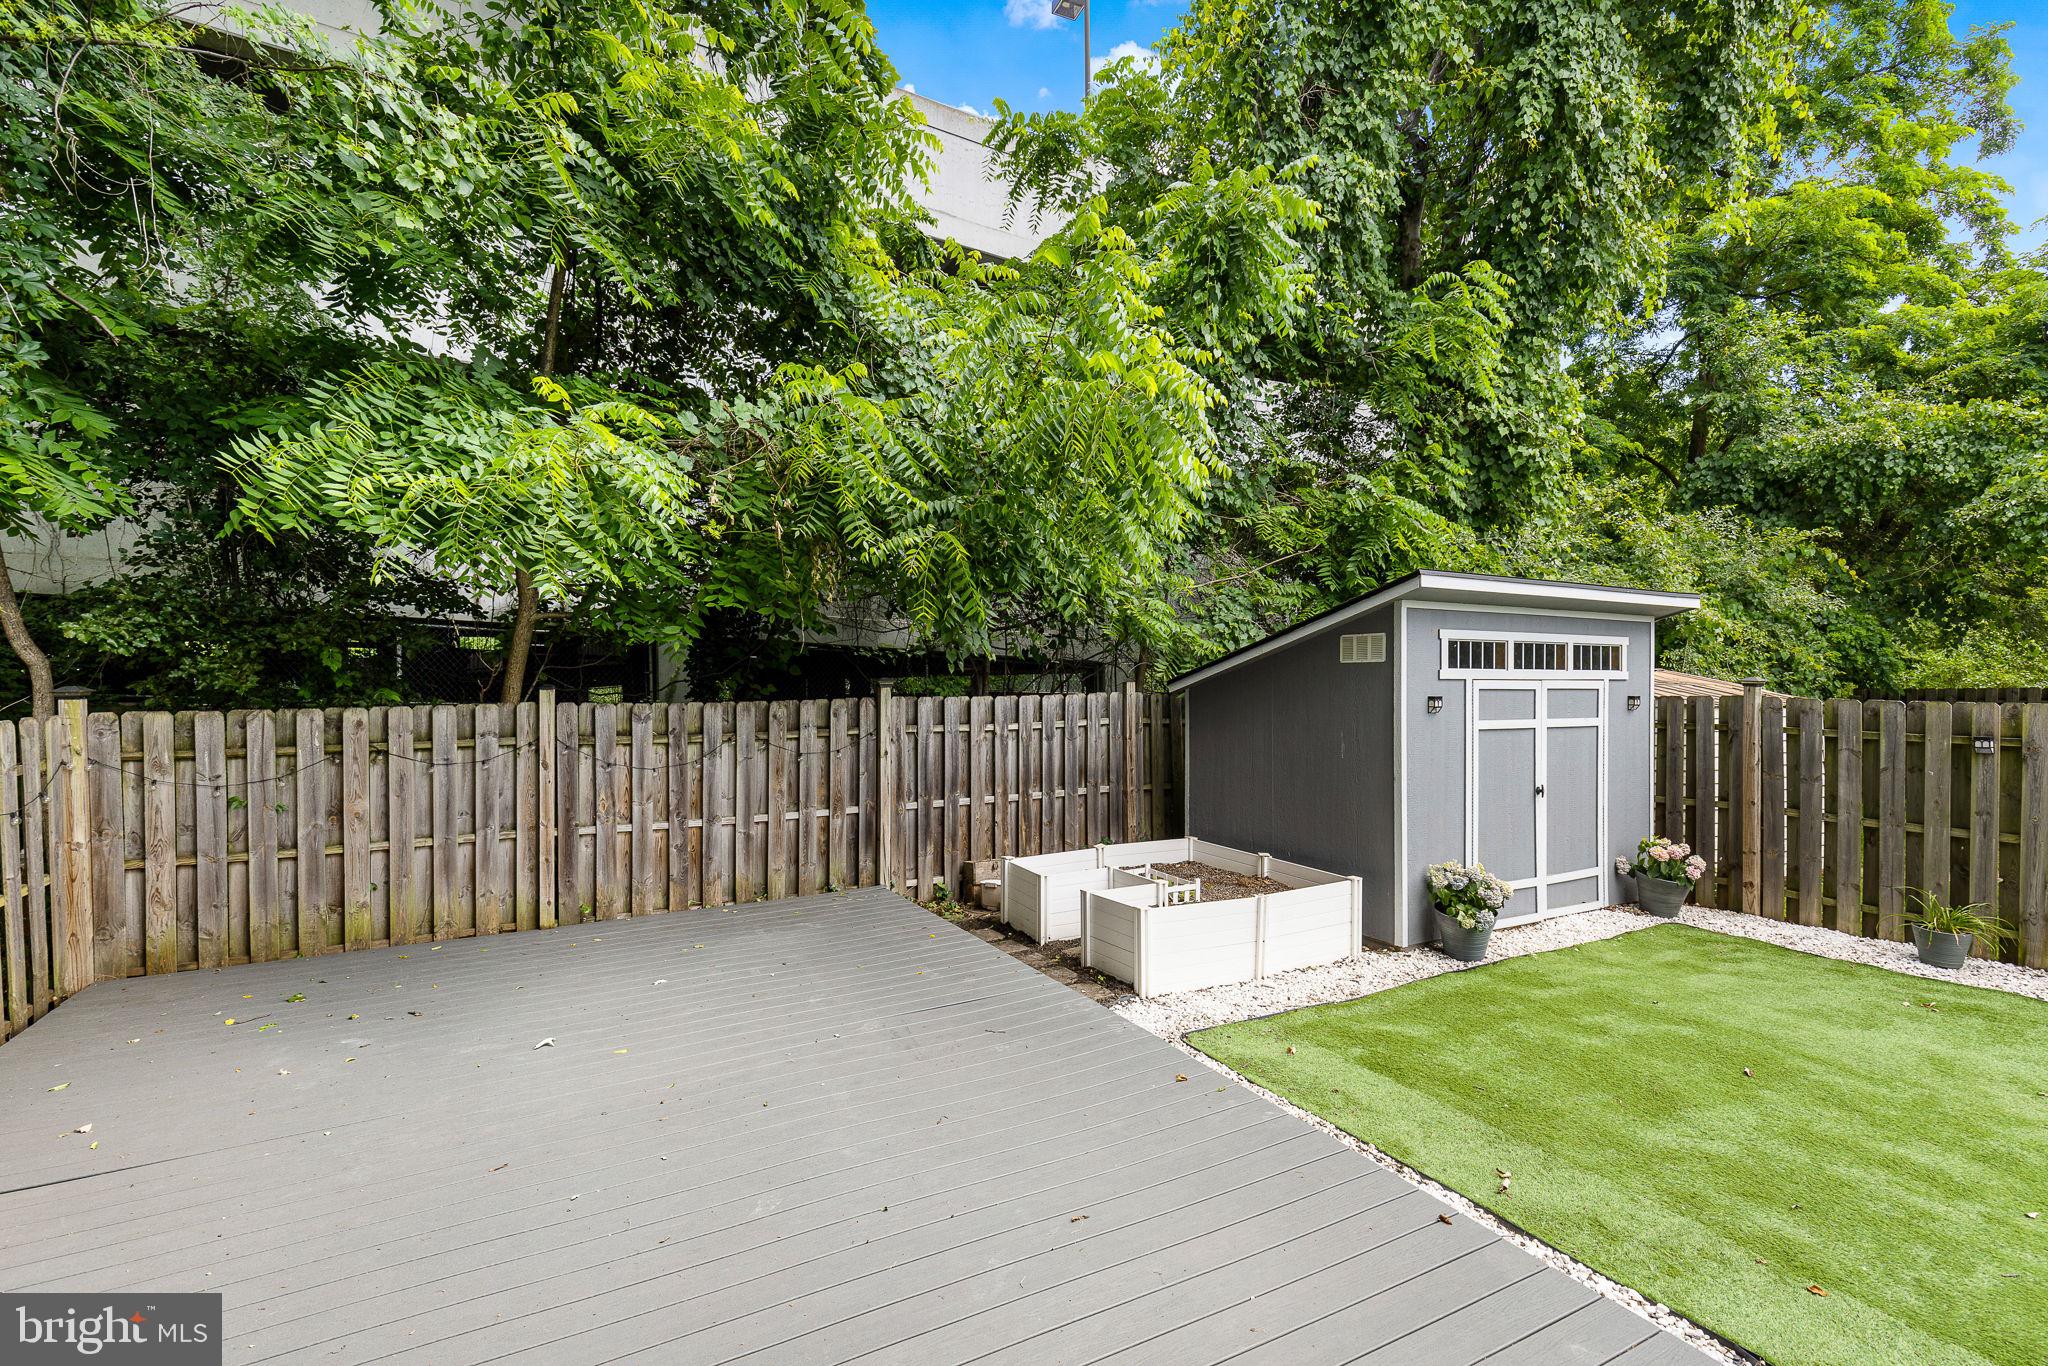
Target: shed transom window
(1533, 656)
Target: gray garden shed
(1447, 716)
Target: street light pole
(1079, 9)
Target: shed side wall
(1292, 754)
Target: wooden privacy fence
(1829, 812)
(151, 842)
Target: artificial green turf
(1887, 1146)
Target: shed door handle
(1539, 789)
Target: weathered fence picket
(1860, 803)
(204, 839)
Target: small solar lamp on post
(1078, 9)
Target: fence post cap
(1755, 683)
(71, 692)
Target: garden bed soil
(1220, 884)
(1058, 959)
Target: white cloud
(1029, 13)
(1145, 56)
(910, 86)
(1044, 92)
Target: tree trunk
(42, 686)
(1702, 426)
(1415, 185)
(517, 649)
(1412, 204)
(526, 610)
(554, 324)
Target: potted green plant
(1468, 901)
(1943, 934)
(1664, 872)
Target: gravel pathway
(1378, 969)
(1173, 1017)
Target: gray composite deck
(817, 1130)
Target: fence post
(886, 805)
(544, 807)
(1750, 755)
(1130, 736)
(77, 967)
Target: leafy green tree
(1493, 180)
(957, 442)
(1847, 349)
(191, 228)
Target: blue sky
(969, 52)
(2026, 166)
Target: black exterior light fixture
(1078, 9)
(1435, 704)
(1635, 703)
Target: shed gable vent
(1370, 648)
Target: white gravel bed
(1878, 953)
(1173, 1017)
(1373, 970)
(1377, 969)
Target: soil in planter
(1220, 884)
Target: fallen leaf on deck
(296, 996)
(1443, 1218)
(1077, 1219)
(83, 1129)
(545, 1043)
(94, 1144)
(60, 1086)
(1182, 1077)
(617, 1051)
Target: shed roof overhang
(1466, 590)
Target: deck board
(818, 1130)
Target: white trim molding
(1507, 669)
(1540, 723)
(1476, 592)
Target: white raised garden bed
(1157, 934)
(1042, 893)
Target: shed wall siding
(1292, 754)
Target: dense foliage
(615, 317)
(1719, 305)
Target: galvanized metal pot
(1661, 896)
(1467, 946)
(1940, 949)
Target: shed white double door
(1536, 784)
